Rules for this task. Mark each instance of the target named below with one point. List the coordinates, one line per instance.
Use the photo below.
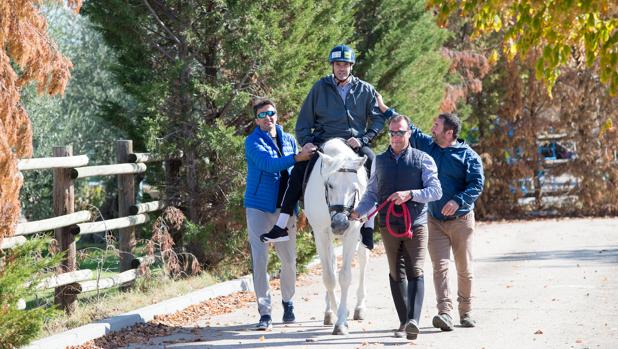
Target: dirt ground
(538, 284)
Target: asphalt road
(538, 284)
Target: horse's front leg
(363, 256)
(326, 253)
(350, 241)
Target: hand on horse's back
(306, 152)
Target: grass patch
(92, 306)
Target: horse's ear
(327, 160)
(360, 162)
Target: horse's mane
(340, 152)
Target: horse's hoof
(359, 314)
(328, 318)
(341, 330)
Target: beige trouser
(456, 235)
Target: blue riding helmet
(342, 53)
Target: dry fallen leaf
(262, 339)
(538, 332)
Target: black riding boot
(398, 291)
(416, 294)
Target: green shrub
(20, 269)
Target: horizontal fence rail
(145, 260)
(110, 224)
(150, 157)
(65, 279)
(53, 162)
(116, 280)
(106, 170)
(12, 242)
(52, 223)
(67, 224)
(147, 207)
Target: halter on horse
(337, 182)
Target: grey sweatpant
(258, 223)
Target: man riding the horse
(339, 105)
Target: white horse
(336, 184)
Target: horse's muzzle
(339, 223)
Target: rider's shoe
(367, 237)
(276, 234)
(288, 312)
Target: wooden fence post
(126, 198)
(64, 203)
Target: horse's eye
(330, 186)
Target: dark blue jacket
(460, 171)
(264, 167)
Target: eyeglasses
(264, 114)
(397, 133)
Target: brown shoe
(443, 322)
(467, 321)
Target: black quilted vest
(395, 175)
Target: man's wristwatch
(365, 140)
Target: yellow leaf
(512, 49)
(607, 125)
(497, 23)
(493, 57)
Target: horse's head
(342, 184)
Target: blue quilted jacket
(264, 167)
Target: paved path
(542, 284)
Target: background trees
(76, 118)
(400, 52)
(193, 68)
(513, 114)
(586, 31)
(25, 44)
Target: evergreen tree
(401, 55)
(193, 67)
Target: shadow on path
(601, 255)
(300, 334)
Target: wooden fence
(67, 224)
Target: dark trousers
(295, 182)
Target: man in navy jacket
(451, 219)
(270, 153)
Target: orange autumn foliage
(25, 43)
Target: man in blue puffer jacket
(270, 153)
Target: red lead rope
(407, 220)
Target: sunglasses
(264, 114)
(397, 133)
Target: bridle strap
(341, 208)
